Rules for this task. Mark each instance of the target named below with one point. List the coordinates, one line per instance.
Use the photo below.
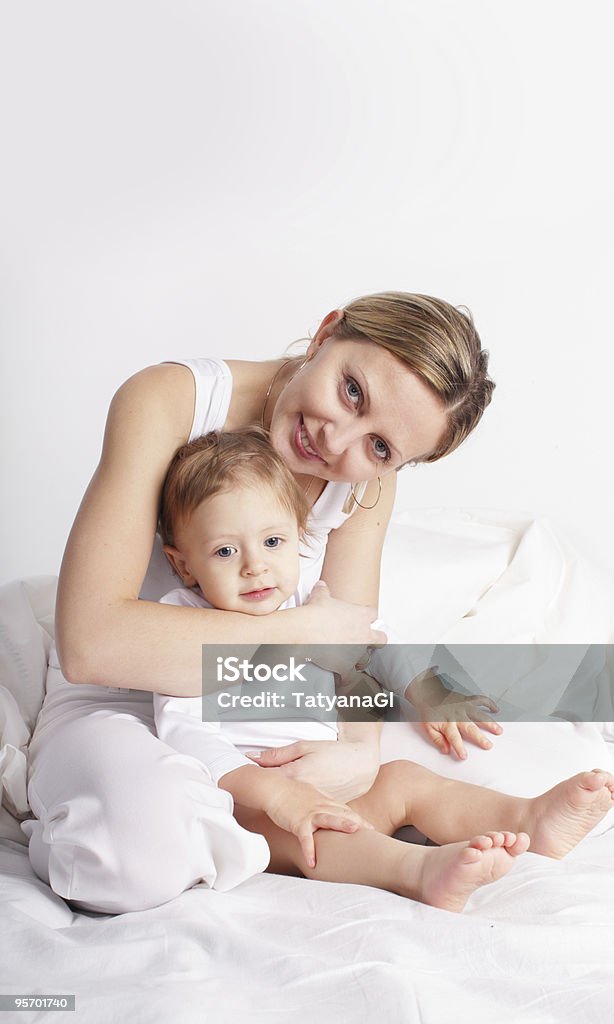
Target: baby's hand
(461, 717)
(302, 809)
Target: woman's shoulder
(333, 507)
(213, 384)
(203, 366)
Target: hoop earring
(367, 507)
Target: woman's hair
(435, 340)
(219, 461)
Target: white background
(211, 178)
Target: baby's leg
(442, 877)
(404, 793)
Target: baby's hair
(218, 461)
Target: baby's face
(242, 548)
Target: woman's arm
(105, 635)
(354, 551)
(110, 544)
(352, 570)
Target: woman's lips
(301, 439)
(259, 595)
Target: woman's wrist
(366, 733)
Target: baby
(232, 521)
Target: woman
(389, 380)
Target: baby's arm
(445, 716)
(179, 724)
(448, 717)
(295, 806)
(179, 720)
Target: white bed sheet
(537, 947)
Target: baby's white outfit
(124, 821)
(221, 745)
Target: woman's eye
(272, 542)
(226, 551)
(352, 390)
(381, 449)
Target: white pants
(124, 822)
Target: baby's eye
(226, 551)
(381, 450)
(352, 390)
(272, 542)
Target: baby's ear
(179, 565)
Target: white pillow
(26, 631)
(14, 737)
(483, 576)
(436, 565)
(607, 730)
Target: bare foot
(452, 872)
(559, 819)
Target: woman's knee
(118, 822)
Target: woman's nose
(338, 437)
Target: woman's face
(354, 412)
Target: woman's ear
(324, 331)
(179, 565)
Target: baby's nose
(255, 566)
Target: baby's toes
(520, 843)
(483, 842)
(498, 838)
(596, 778)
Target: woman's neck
(251, 383)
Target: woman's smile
(304, 444)
(359, 402)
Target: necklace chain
(270, 388)
(262, 414)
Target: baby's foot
(451, 873)
(560, 818)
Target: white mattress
(537, 947)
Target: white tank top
(213, 381)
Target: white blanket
(536, 947)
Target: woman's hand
(301, 809)
(340, 623)
(345, 769)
